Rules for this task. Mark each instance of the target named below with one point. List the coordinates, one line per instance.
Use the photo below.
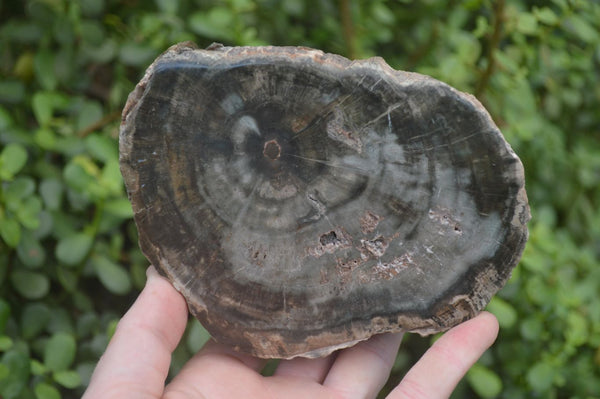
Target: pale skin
(136, 362)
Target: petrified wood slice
(302, 202)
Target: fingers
(362, 370)
(305, 369)
(218, 371)
(436, 374)
(138, 356)
(356, 372)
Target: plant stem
(105, 120)
(348, 29)
(492, 46)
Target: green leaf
(197, 336)
(18, 189)
(581, 28)
(37, 367)
(102, 148)
(92, 8)
(4, 314)
(78, 200)
(23, 68)
(151, 23)
(60, 322)
(85, 370)
(92, 33)
(63, 30)
(135, 54)
(82, 174)
(30, 285)
(4, 266)
(88, 115)
(12, 159)
(111, 178)
(4, 371)
(10, 230)
(29, 212)
(82, 301)
(44, 103)
(541, 377)
(43, 65)
(111, 328)
(5, 343)
(504, 312)
(103, 53)
(576, 332)
(46, 391)
(167, 6)
(67, 278)
(6, 119)
(113, 276)
(87, 324)
(46, 225)
(72, 250)
(30, 251)
(34, 318)
(45, 138)
(531, 328)
(120, 207)
(215, 24)
(545, 15)
(59, 352)
(12, 91)
(17, 363)
(51, 190)
(484, 381)
(482, 27)
(43, 108)
(539, 292)
(67, 378)
(527, 23)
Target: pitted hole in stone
(376, 246)
(329, 238)
(272, 149)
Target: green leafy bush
(69, 261)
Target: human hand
(136, 362)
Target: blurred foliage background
(69, 261)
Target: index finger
(436, 374)
(137, 359)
